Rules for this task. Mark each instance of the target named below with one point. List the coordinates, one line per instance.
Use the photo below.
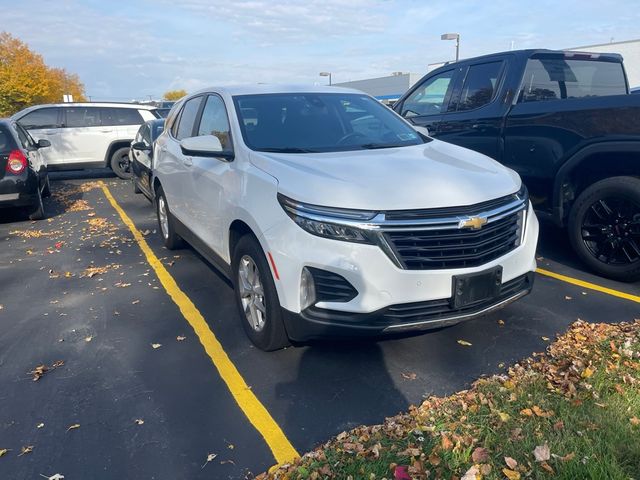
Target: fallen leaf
(409, 376)
(546, 339)
(511, 474)
(3, 451)
(542, 453)
(210, 458)
(504, 416)
(464, 343)
(587, 373)
(511, 462)
(567, 297)
(634, 421)
(56, 476)
(73, 427)
(156, 345)
(139, 421)
(541, 413)
(400, 473)
(135, 302)
(25, 450)
(40, 425)
(559, 425)
(527, 412)
(446, 443)
(180, 338)
(230, 446)
(501, 322)
(547, 467)
(480, 455)
(471, 474)
(88, 339)
(434, 459)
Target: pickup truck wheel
(170, 238)
(256, 296)
(120, 163)
(604, 227)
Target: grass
(578, 405)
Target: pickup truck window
(428, 98)
(561, 78)
(480, 85)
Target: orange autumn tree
(173, 95)
(26, 80)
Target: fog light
(307, 289)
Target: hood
(432, 175)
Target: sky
(125, 50)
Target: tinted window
(82, 117)
(320, 122)
(215, 122)
(6, 143)
(560, 78)
(480, 85)
(120, 116)
(156, 130)
(41, 118)
(187, 119)
(428, 98)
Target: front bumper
(388, 296)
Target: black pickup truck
(565, 121)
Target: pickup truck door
(477, 107)
(427, 100)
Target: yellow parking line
(255, 411)
(591, 286)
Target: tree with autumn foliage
(26, 80)
(173, 95)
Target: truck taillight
(17, 162)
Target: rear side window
(480, 85)
(41, 118)
(187, 120)
(120, 116)
(562, 78)
(82, 117)
(6, 141)
(25, 139)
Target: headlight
(523, 195)
(329, 222)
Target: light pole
(326, 74)
(453, 36)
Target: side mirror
(205, 146)
(424, 131)
(140, 146)
(43, 143)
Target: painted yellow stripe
(255, 411)
(590, 286)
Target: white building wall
(384, 88)
(630, 51)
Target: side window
(82, 117)
(183, 128)
(215, 122)
(25, 139)
(41, 118)
(120, 116)
(480, 85)
(428, 98)
(562, 78)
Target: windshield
(320, 122)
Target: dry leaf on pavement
(210, 458)
(73, 427)
(180, 338)
(40, 425)
(3, 451)
(409, 376)
(464, 343)
(156, 345)
(139, 421)
(26, 449)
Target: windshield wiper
(287, 150)
(373, 146)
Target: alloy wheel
(611, 230)
(252, 293)
(163, 217)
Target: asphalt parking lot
(141, 394)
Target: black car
(565, 121)
(141, 156)
(23, 172)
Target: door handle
(188, 161)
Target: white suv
(86, 135)
(333, 216)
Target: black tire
(121, 164)
(604, 228)
(46, 191)
(171, 239)
(37, 211)
(272, 334)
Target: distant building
(630, 51)
(386, 89)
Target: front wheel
(120, 163)
(256, 296)
(604, 227)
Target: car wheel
(170, 238)
(256, 296)
(604, 227)
(120, 163)
(37, 211)
(46, 191)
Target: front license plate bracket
(477, 287)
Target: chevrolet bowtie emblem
(473, 223)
